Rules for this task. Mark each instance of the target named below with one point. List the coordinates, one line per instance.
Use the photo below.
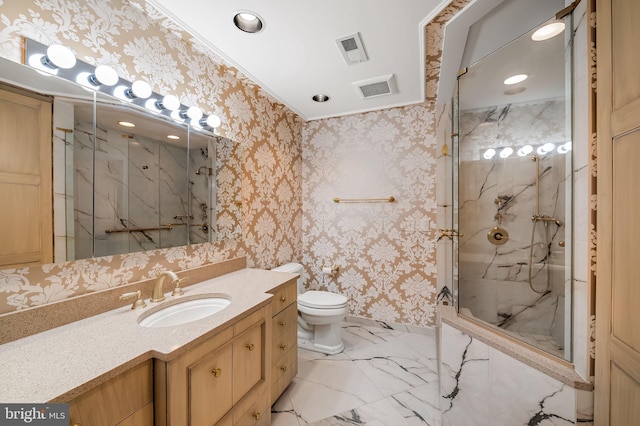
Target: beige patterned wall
(385, 251)
(142, 44)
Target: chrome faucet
(158, 294)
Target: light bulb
(212, 121)
(525, 150)
(506, 152)
(548, 31)
(139, 89)
(59, 56)
(194, 113)
(515, 79)
(546, 148)
(169, 102)
(564, 148)
(104, 75)
(489, 153)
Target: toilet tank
(294, 268)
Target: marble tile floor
(387, 375)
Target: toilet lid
(322, 299)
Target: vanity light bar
(525, 150)
(60, 61)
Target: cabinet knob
(249, 346)
(283, 323)
(283, 299)
(216, 372)
(283, 347)
(283, 368)
(257, 415)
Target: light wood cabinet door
(617, 379)
(248, 360)
(26, 217)
(209, 384)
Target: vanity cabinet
(126, 400)
(284, 343)
(222, 381)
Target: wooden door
(617, 381)
(26, 216)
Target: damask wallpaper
(385, 251)
(143, 44)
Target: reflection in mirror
(216, 187)
(514, 192)
(140, 174)
(143, 180)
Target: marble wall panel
(480, 385)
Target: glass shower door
(512, 186)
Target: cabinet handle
(249, 346)
(283, 368)
(283, 347)
(283, 323)
(216, 372)
(283, 299)
(257, 415)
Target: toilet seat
(322, 300)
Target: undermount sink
(184, 312)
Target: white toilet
(320, 315)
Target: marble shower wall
(138, 184)
(141, 43)
(480, 385)
(494, 279)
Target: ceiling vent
(374, 87)
(351, 48)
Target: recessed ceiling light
(173, 137)
(320, 98)
(548, 31)
(515, 79)
(249, 22)
(126, 124)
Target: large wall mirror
(122, 178)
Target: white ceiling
(296, 56)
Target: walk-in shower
(512, 192)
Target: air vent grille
(379, 86)
(375, 89)
(352, 49)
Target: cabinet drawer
(285, 322)
(113, 401)
(283, 372)
(287, 366)
(209, 384)
(282, 344)
(284, 296)
(248, 360)
(255, 411)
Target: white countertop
(61, 363)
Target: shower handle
(449, 233)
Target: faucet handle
(177, 291)
(138, 303)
